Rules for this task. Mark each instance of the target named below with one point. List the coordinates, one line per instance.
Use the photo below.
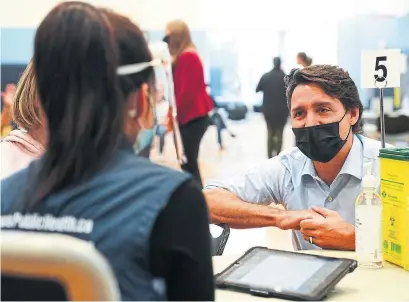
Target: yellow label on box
(394, 192)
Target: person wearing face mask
(193, 104)
(318, 181)
(95, 78)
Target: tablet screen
(281, 271)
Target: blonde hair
(179, 38)
(25, 111)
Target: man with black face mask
(318, 181)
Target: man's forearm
(349, 243)
(227, 208)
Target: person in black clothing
(93, 68)
(218, 121)
(274, 107)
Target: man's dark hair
(335, 82)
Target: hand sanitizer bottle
(368, 223)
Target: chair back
(76, 265)
(219, 241)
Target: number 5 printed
(379, 66)
(387, 70)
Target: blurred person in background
(161, 110)
(274, 106)
(27, 142)
(193, 104)
(7, 101)
(97, 108)
(303, 59)
(218, 121)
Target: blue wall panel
(17, 45)
(363, 33)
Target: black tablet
(288, 275)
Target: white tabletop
(390, 283)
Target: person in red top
(193, 104)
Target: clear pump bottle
(368, 223)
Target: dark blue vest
(116, 210)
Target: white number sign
(381, 68)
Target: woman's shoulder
(13, 158)
(190, 54)
(11, 187)
(189, 59)
(141, 168)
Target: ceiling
(215, 14)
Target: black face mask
(166, 39)
(320, 143)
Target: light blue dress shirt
(290, 179)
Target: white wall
(213, 14)
(150, 14)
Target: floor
(248, 148)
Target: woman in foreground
(135, 210)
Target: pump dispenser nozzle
(368, 181)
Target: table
(390, 283)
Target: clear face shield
(162, 97)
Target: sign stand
(385, 65)
(382, 115)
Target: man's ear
(354, 115)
